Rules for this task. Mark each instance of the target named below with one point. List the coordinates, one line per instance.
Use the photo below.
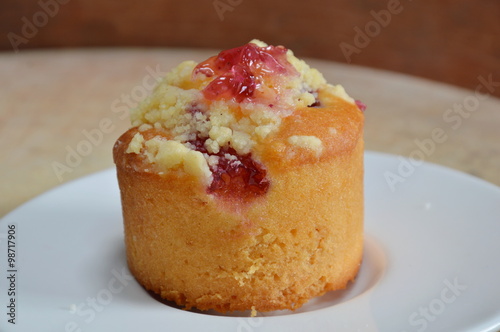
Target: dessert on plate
(241, 182)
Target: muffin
(241, 183)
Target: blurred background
(447, 41)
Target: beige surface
(49, 98)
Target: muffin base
(300, 240)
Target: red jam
(360, 105)
(240, 178)
(236, 177)
(241, 70)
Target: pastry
(241, 183)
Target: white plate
(431, 263)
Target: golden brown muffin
(242, 183)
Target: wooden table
(61, 111)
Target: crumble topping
(172, 154)
(230, 102)
(135, 144)
(312, 143)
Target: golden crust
(302, 238)
(339, 126)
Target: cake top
(217, 113)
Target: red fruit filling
(241, 70)
(235, 177)
(360, 105)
